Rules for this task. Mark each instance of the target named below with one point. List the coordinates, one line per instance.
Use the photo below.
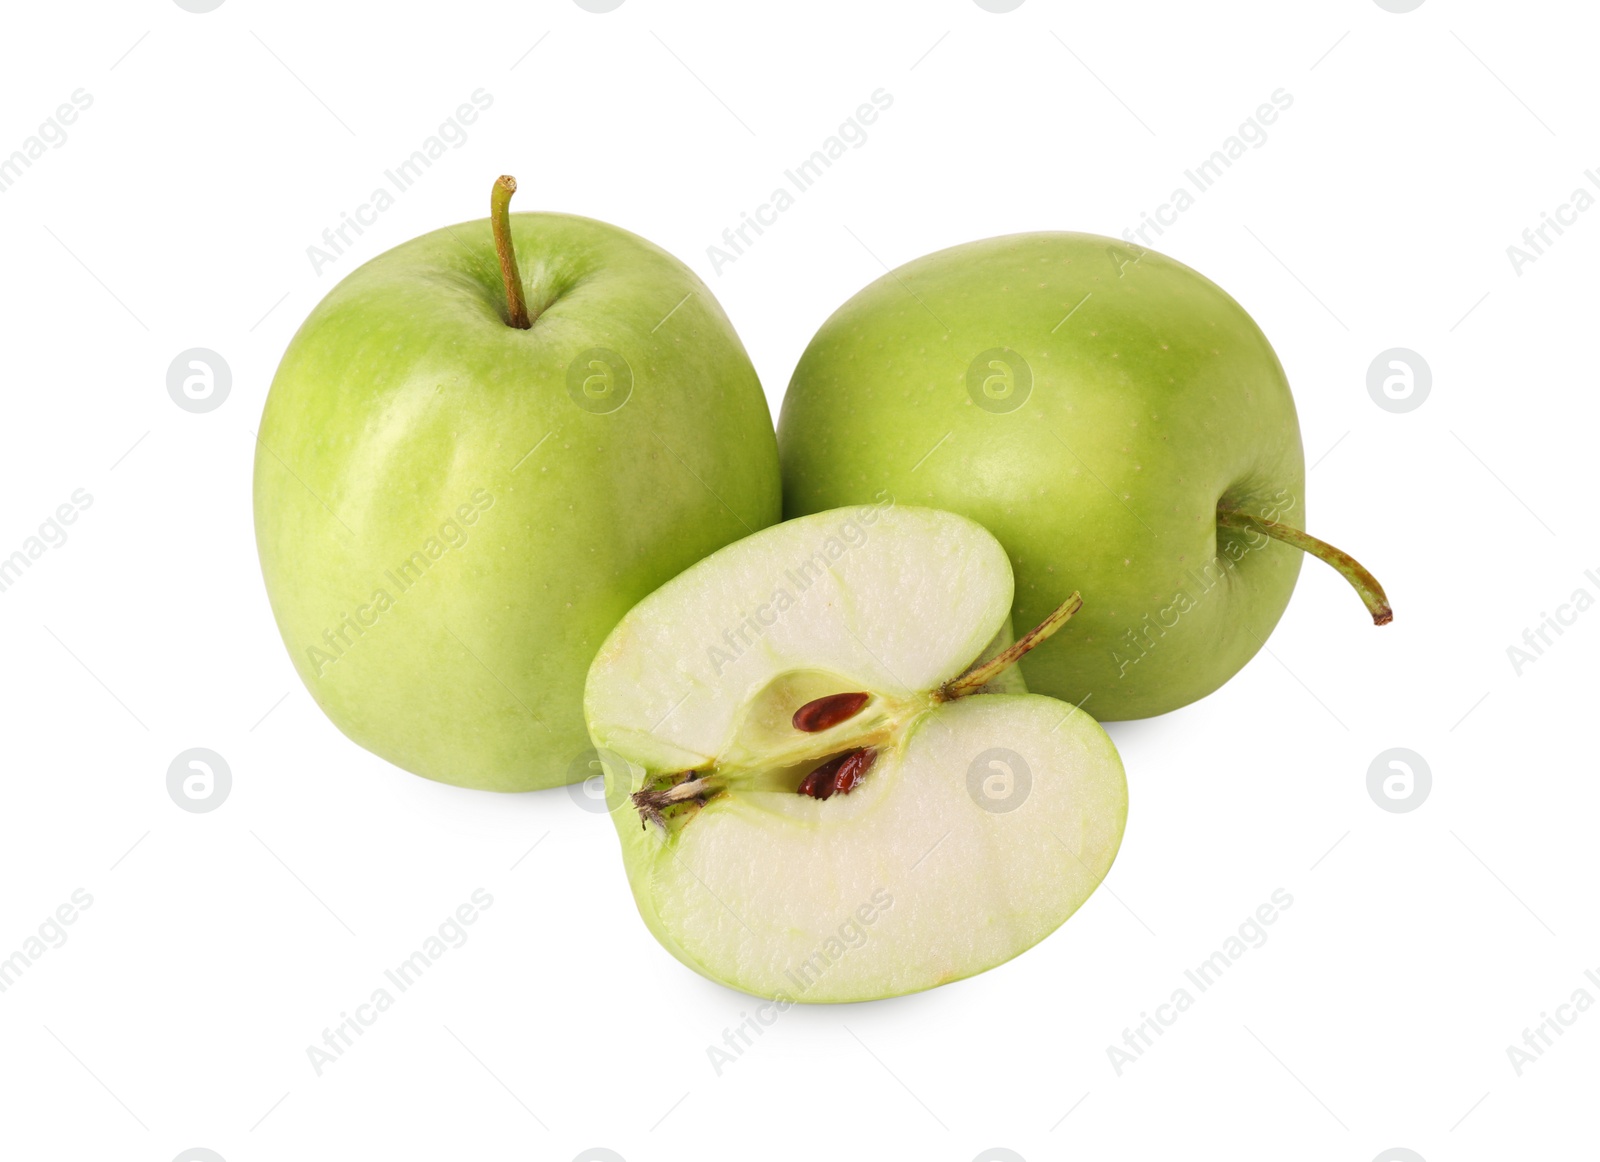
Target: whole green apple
(481, 449)
(1113, 417)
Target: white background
(1377, 214)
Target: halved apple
(828, 783)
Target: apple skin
(408, 418)
(1154, 398)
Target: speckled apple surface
(451, 518)
(1144, 397)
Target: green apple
(826, 782)
(1113, 417)
(480, 450)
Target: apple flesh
(1112, 416)
(957, 825)
(452, 512)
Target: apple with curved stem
(481, 449)
(856, 798)
(1112, 416)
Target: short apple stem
(1352, 570)
(982, 675)
(500, 220)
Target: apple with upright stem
(480, 449)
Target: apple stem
(1352, 570)
(982, 675)
(500, 220)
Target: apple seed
(829, 711)
(839, 774)
(853, 769)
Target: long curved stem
(500, 220)
(1352, 570)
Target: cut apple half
(827, 777)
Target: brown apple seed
(839, 775)
(852, 769)
(829, 711)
